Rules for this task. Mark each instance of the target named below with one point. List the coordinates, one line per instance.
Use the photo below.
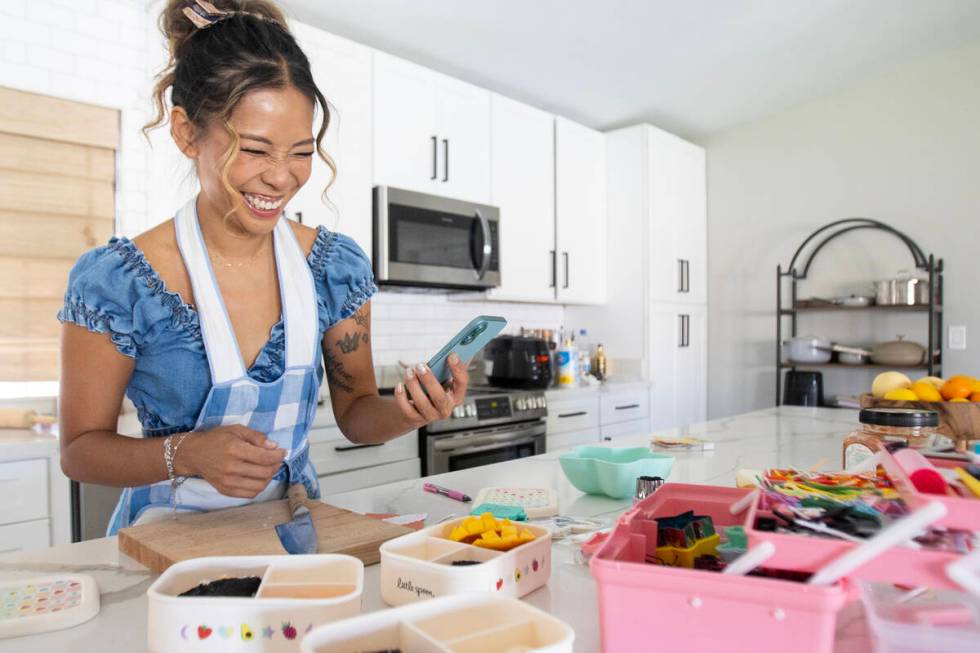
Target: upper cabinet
(523, 188)
(677, 211)
(580, 213)
(342, 71)
(431, 132)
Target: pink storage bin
(900, 565)
(961, 512)
(646, 607)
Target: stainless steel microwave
(427, 240)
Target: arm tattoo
(350, 342)
(337, 376)
(362, 317)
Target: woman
(218, 323)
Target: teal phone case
(470, 340)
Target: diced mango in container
(458, 534)
(489, 521)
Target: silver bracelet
(169, 455)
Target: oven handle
(487, 245)
(487, 447)
(492, 439)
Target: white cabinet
(342, 71)
(577, 413)
(570, 439)
(431, 132)
(523, 188)
(580, 213)
(678, 366)
(637, 428)
(655, 308)
(24, 484)
(676, 207)
(25, 536)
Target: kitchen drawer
(331, 452)
(402, 470)
(25, 536)
(618, 407)
(573, 415)
(637, 428)
(24, 488)
(571, 439)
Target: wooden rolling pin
(18, 418)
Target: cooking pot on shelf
(899, 352)
(807, 350)
(906, 290)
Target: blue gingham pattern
(282, 409)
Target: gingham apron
(282, 409)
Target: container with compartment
(475, 623)
(420, 566)
(642, 605)
(296, 594)
(936, 621)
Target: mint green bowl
(613, 472)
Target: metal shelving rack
(799, 268)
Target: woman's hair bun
(178, 27)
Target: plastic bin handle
(965, 572)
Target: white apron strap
(220, 344)
(299, 299)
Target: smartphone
(472, 338)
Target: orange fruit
(975, 396)
(958, 387)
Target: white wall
(91, 51)
(903, 148)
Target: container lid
(908, 417)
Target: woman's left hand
(422, 399)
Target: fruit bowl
(959, 421)
(613, 472)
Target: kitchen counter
(775, 437)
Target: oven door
(426, 240)
(452, 452)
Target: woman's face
(272, 163)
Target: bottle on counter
(567, 364)
(584, 354)
(599, 365)
(913, 426)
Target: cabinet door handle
(687, 276)
(685, 328)
(354, 447)
(577, 413)
(680, 275)
(435, 158)
(565, 254)
(627, 407)
(445, 159)
(554, 269)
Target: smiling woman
(220, 322)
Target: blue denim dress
(114, 290)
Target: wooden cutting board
(250, 530)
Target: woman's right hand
(236, 460)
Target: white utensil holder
(297, 594)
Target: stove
(492, 425)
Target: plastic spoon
(750, 559)
(903, 529)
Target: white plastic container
(297, 594)
(418, 566)
(459, 624)
(937, 621)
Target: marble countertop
(22, 444)
(774, 437)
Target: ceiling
(694, 67)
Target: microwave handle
(487, 245)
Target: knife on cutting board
(297, 536)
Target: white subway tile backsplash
(44, 14)
(14, 8)
(68, 40)
(25, 31)
(50, 59)
(96, 26)
(14, 52)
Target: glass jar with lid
(915, 427)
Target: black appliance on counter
(518, 362)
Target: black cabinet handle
(627, 407)
(683, 275)
(565, 254)
(435, 158)
(577, 413)
(554, 269)
(687, 276)
(685, 327)
(354, 447)
(445, 159)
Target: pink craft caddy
(644, 607)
